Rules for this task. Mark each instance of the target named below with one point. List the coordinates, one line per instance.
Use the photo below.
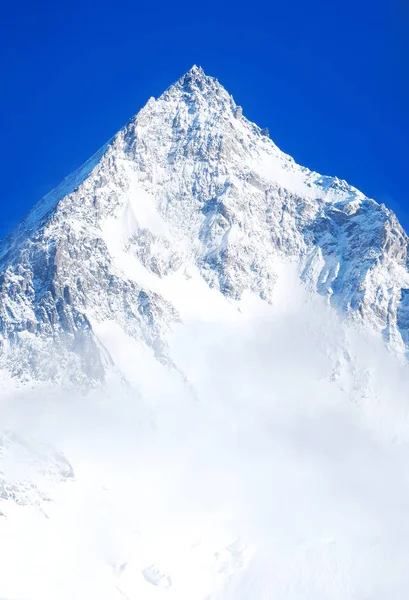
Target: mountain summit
(188, 186)
(200, 393)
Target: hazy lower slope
(278, 471)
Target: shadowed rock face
(188, 183)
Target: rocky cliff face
(188, 185)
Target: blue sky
(329, 79)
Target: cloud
(280, 464)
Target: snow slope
(278, 470)
(204, 384)
(188, 186)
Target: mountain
(189, 184)
(203, 376)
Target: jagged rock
(187, 183)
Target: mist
(270, 464)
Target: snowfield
(277, 470)
(203, 374)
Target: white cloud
(281, 466)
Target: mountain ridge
(188, 183)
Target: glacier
(203, 353)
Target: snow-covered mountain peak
(226, 311)
(189, 185)
(195, 75)
(196, 72)
(196, 81)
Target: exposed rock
(187, 183)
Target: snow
(205, 405)
(227, 484)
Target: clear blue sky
(330, 80)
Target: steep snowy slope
(244, 431)
(189, 186)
